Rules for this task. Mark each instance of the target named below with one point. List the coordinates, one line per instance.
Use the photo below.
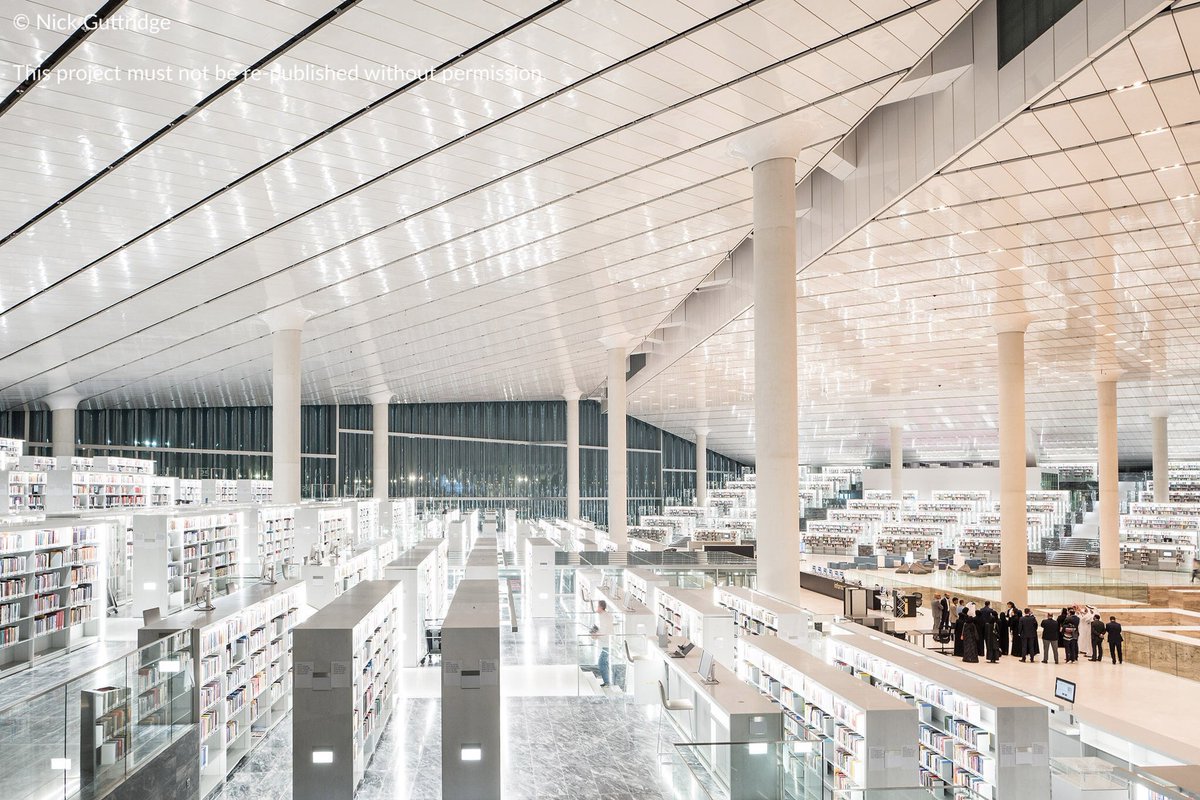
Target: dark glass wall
(1020, 22)
(512, 453)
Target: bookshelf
(365, 521)
(269, 532)
(218, 491)
(322, 527)
(38, 463)
(691, 615)
(643, 585)
(328, 581)
(650, 534)
(346, 660)
(242, 671)
(125, 466)
(398, 517)
(191, 492)
(70, 491)
(105, 734)
(755, 614)
(174, 554)
(162, 490)
(421, 571)
(26, 490)
(970, 733)
(52, 591)
(869, 735)
(255, 491)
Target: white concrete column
(771, 153)
(1162, 481)
(572, 397)
(618, 488)
(896, 457)
(380, 437)
(1106, 441)
(701, 466)
(286, 323)
(1014, 526)
(62, 425)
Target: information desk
(727, 711)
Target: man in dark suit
(1027, 635)
(1098, 629)
(1071, 636)
(1115, 641)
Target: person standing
(1049, 637)
(937, 611)
(1027, 633)
(1195, 568)
(602, 633)
(970, 638)
(1070, 634)
(959, 612)
(1008, 629)
(1098, 631)
(1116, 641)
(945, 606)
(991, 634)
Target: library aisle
(561, 740)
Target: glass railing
(1047, 586)
(86, 736)
(788, 770)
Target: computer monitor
(1064, 689)
(708, 667)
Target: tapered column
(286, 323)
(618, 490)
(381, 483)
(63, 406)
(572, 397)
(701, 466)
(1162, 480)
(771, 153)
(1106, 442)
(897, 462)
(1014, 535)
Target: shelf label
(303, 677)
(339, 674)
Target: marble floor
(593, 748)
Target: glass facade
(1021, 22)
(507, 454)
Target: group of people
(993, 634)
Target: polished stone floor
(557, 747)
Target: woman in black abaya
(969, 636)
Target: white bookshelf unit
(269, 533)
(174, 554)
(691, 615)
(255, 491)
(218, 491)
(325, 527)
(871, 734)
(643, 585)
(52, 590)
(365, 521)
(243, 671)
(346, 660)
(341, 572)
(971, 733)
(162, 490)
(125, 466)
(191, 492)
(421, 570)
(26, 490)
(70, 491)
(755, 613)
(398, 517)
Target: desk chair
(669, 705)
(632, 657)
